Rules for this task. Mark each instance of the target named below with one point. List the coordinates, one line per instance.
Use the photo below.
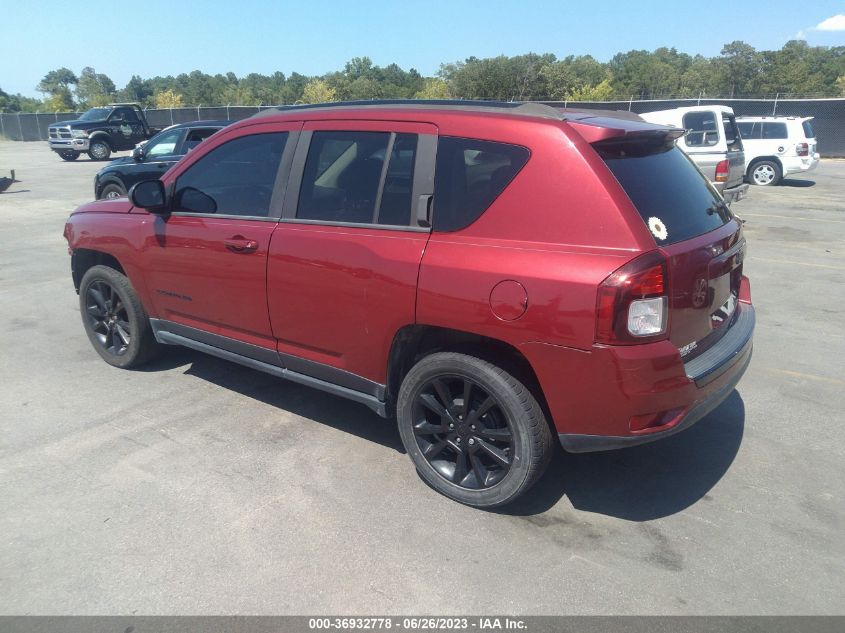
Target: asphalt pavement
(196, 486)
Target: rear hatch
(693, 227)
(809, 134)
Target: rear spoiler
(604, 128)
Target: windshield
(672, 196)
(96, 114)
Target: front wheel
(114, 319)
(68, 154)
(765, 173)
(111, 191)
(99, 150)
(474, 432)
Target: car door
(207, 261)
(157, 156)
(345, 257)
(125, 129)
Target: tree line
(740, 70)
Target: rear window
(671, 195)
(469, 176)
(731, 133)
(808, 129)
(701, 129)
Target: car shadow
(644, 482)
(306, 402)
(640, 483)
(795, 182)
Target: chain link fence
(829, 123)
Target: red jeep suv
(492, 275)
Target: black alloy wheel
(108, 318)
(114, 318)
(463, 432)
(475, 432)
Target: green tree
(739, 69)
(318, 91)
(56, 84)
(433, 89)
(602, 91)
(93, 88)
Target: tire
(112, 190)
(99, 149)
(69, 155)
(499, 421)
(114, 319)
(765, 173)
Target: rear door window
(774, 130)
(750, 130)
(358, 177)
(732, 136)
(701, 128)
(671, 195)
(469, 175)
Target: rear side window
(808, 129)
(701, 129)
(469, 175)
(671, 195)
(774, 130)
(358, 177)
(731, 132)
(236, 178)
(750, 130)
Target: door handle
(239, 244)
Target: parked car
(153, 158)
(713, 142)
(100, 131)
(776, 147)
(492, 275)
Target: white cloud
(833, 23)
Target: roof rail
(537, 110)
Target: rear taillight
(633, 302)
(722, 170)
(802, 149)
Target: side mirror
(138, 154)
(150, 195)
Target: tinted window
(236, 178)
(666, 189)
(469, 176)
(701, 129)
(163, 144)
(124, 114)
(731, 133)
(750, 130)
(197, 136)
(343, 177)
(774, 130)
(808, 129)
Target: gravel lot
(201, 487)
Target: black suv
(152, 159)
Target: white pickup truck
(713, 142)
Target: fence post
(2, 124)
(699, 98)
(20, 129)
(775, 107)
(227, 112)
(171, 116)
(199, 118)
(630, 102)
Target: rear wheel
(112, 190)
(475, 433)
(765, 173)
(114, 319)
(69, 154)
(99, 150)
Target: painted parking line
(787, 217)
(788, 262)
(803, 375)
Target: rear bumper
(734, 194)
(801, 164)
(598, 399)
(721, 367)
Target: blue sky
(155, 37)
